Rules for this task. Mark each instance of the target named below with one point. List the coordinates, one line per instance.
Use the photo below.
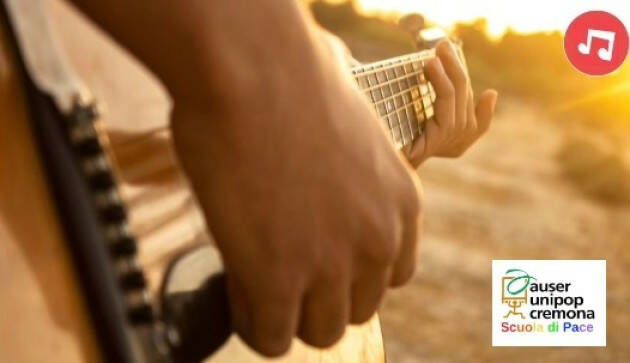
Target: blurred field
(509, 198)
(549, 181)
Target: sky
(523, 16)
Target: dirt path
(507, 198)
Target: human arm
(313, 211)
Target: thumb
(485, 109)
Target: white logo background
(587, 278)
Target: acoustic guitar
(103, 253)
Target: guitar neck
(400, 94)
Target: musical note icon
(596, 31)
(603, 53)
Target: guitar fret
(409, 77)
(377, 95)
(405, 126)
(406, 84)
(369, 94)
(376, 84)
(387, 107)
(400, 94)
(394, 62)
(420, 89)
(411, 120)
(396, 132)
(397, 93)
(398, 141)
(393, 111)
(414, 124)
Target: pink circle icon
(596, 43)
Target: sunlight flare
(521, 16)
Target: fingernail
(494, 99)
(444, 45)
(452, 46)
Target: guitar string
(418, 103)
(423, 90)
(393, 81)
(362, 71)
(404, 60)
(389, 120)
(380, 87)
(422, 87)
(389, 86)
(395, 113)
(407, 116)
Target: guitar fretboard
(400, 94)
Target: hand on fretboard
(400, 94)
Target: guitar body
(44, 314)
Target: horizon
(500, 15)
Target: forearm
(309, 204)
(195, 44)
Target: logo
(596, 43)
(548, 303)
(514, 291)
